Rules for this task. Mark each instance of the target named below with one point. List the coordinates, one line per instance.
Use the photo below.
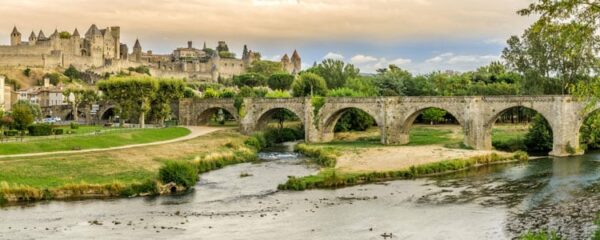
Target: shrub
(40, 130)
(278, 94)
(260, 91)
(308, 84)
(227, 93)
(280, 81)
(539, 137)
(250, 80)
(257, 141)
(178, 172)
(210, 93)
(11, 133)
(58, 131)
(74, 125)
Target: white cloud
(360, 59)
(439, 58)
(400, 61)
(275, 58)
(335, 56)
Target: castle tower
(296, 62)
(286, 64)
(137, 51)
(2, 79)
(116, 34)
(216, 60)
(41, 36)
(15, 37)
(32, 38)
(245, 55)
(76, 38)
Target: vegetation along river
(494, 202)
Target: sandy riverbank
(396, 158)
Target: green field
(91, 141)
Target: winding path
(195, 131)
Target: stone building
(204, 63)
(98, 47)
(45, 96)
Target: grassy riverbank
(108, 139)
(126, 172)
(360, 160)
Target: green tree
(23, 114)
(391, 81)
(265, 68)
(364, 85)
(169, 91)
(539, 137)
(72, 73)
(80, 96)
(27, 72)
(280, 81)
(434, 115)
(250, 79)
(309, 84)
(64, 35)
(132, 94)
(335, 72)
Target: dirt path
(402, 157)
(195, 131)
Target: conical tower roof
(15, 31)
(54, 34)
(137, 44)
(93, 31)
(285, 58)
(295, 56)
(41, 35)
(32, 35)
(76, 33)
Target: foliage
(227, 93)
(39, 130)
(335, 72)
(364, 85)
(250, 79)
(132, 94)
(260, 91)
(280, 81)
(434, 115)
(55, 78)
(72, 73)
(210, 93)
(280, 135)
(354, 120)
(79, 96)
(169, 91)
(391, 82)
(140, 69)
(27, 72)
(24, 113)
(226, 54)
(265, 68)
(278, 94)
(540, 235)
(590, 132)
(539, 137)
(179, 172)
(344, 92)
(64, 35)
(309, 84)
(74, 125)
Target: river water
(494, 202)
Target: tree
(250, 80)
(280, 81)
(23, 114)
(335, 72)
(169, 90)
(80, 96)
(72, 73)
(391, 82)
(352, 119)
(434, 115)
(27, 72)
(539, 137)
(309, 84)
(266, 68)
(132, 94)
(363, 85)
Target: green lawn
(101, 140)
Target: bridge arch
(331, 119)
(203, 117)
(496, 113)
(265, 116)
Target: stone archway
(266, 116)
(331, 119)
(204, 117)
(404, 126)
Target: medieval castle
(100, 51)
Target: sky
(417, 35)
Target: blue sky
(418, 35)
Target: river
(494, 202)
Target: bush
(74, 125)
(308, 84)
(539, 137)
(257, 141)
(11, 133)
(178, 172)
(275, 135)
(250, 80)
(278, 94)
(280, 81)
(227, 93)
(354, 120)
(210, 93)
(40, 130)
(58, 131)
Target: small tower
(76, 33)
(286, 64)
(296, 62)
(32, 38)
(41, 36)
(55, 34)
(245, 55)
(15, 37)
(137, 51)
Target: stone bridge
(395, 115)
